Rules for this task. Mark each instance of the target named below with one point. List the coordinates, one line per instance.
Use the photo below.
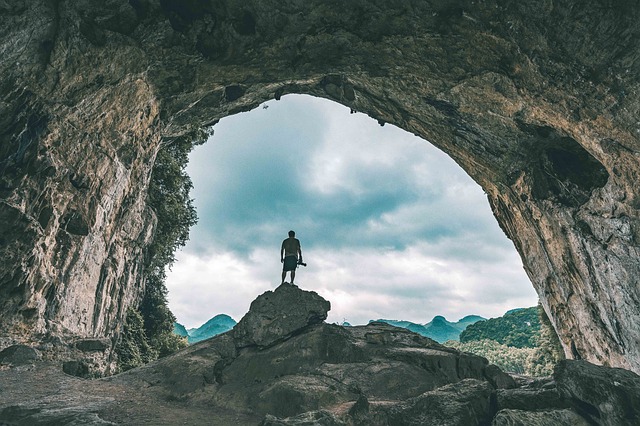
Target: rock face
(282, 360)
(276, 315)
(312, 373)
(610, 397)
(537, 101)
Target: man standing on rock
(290, 252)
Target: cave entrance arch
(390, 225)
(536, 101)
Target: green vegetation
(133, 348)
(522, 342)
(158, 319)
(148, 331)
(518, 328)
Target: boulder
(276, 315)
(42, 414)
(285, 366)
(76, 368)
(531, 395)
(466, 403)
(282, 365)
(312, 418)
(19, 355)
(538, 418)
(606, 396)
(498, 378)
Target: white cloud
(361, 285)
(390, 226)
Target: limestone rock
(281, 361)
(312, 418)
(538, 418)
(93, 345)
(76, 368)
(19, 355)
(537, 394)
(606, 396)
(42, 415)
(459, 404)
(276, 315)
(321, 374)
(498, 378)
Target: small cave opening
(390, 226)
(563, 170)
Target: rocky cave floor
(282, 365)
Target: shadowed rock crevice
(561, 170)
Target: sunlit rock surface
(537, 101)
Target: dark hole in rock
(92, 345)
(29, 313)
(563, 171)
(231, 93)
(573, 163)
(246, 25)
(74, 223)
(586, 408)
(45, 216)
(76, 368)
(181, 13)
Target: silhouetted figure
(290, 255)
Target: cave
(537, 102)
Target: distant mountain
(441, 330)
(216, 325)
(438, 329)
(180, 330)
(467, 321)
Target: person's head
(292, 234)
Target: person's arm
(282, 253)
(299, 251)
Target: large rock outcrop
(313, 373)
(276, 315)
(537, 101)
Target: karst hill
(282, 365)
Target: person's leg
(293, 275)
(284, 275)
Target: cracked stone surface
(537, 101)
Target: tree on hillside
(518, 328)
(532, 350)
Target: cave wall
(538, 102)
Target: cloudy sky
(390, 226)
